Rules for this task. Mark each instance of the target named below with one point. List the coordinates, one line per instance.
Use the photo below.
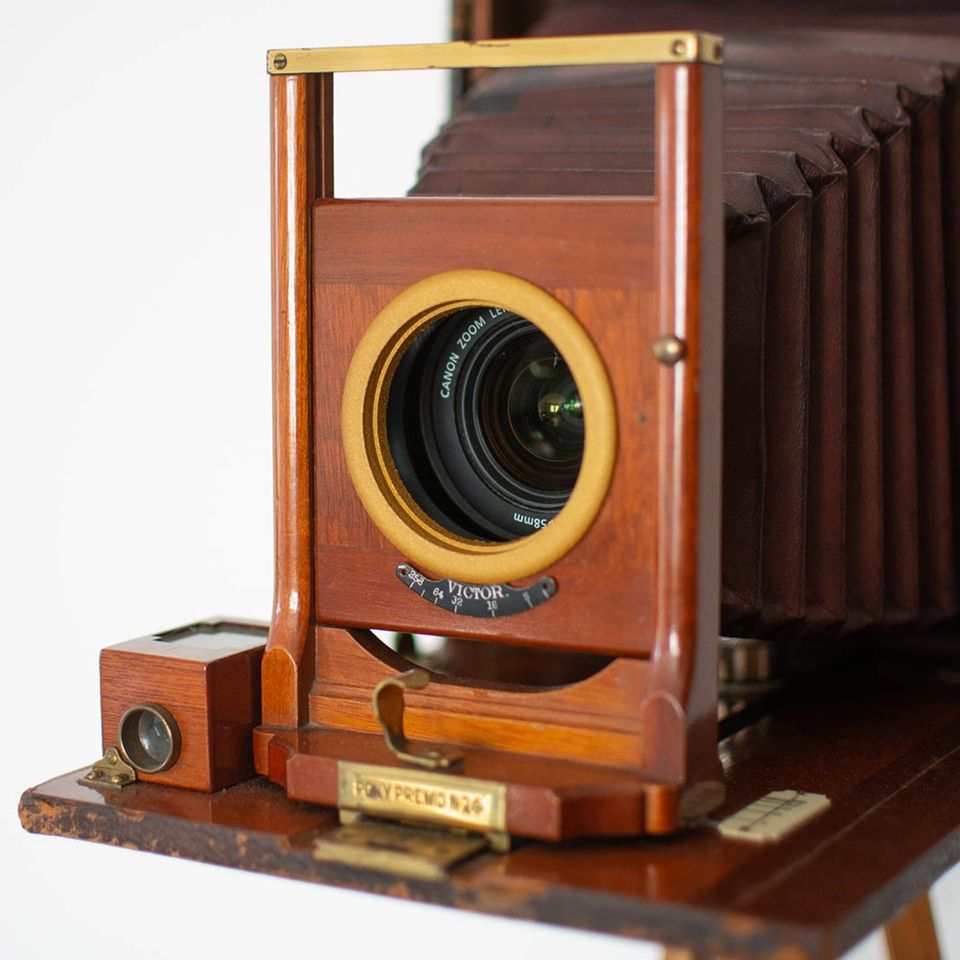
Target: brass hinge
(398, 849)
(110, 772)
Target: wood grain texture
(365, 254)
(594, 720)
(881, 740)
(301, 136)
(690, 267)
(642, 582)
(214, 696)
(912, 935)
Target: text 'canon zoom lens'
(485, 424)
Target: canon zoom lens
(485, 425)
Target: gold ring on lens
(418, 537)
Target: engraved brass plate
(403, 851)
(774, 816)
(423, 797)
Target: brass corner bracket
(110, 772)
(673, 47)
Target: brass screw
(116, 778)
(280, 61)
(669, 349)
(679, 48)
(93, 775)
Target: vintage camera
(495, 423)
(499, 421)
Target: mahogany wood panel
(596, 720)
(602, 257)
(214, 696)
(882, 741)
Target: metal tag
(401, 850)
(445, 799)
(774, 816)
(477, 599)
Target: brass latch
(398, 849)
(110, 772)
(388, 708)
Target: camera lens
(485, 424)
(149, 738)
(530, 415)
(153, 737)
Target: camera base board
(574, 759)
(548, 800)
(890, 832)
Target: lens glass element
(485, 424)
(154, 737)
(531, 414)
(149, 737)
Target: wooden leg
(912, 935)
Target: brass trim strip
(675, 47)
(398, 849)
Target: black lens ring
(442, 458)
(507, 510)
(410, 436)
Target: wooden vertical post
(690, 265)
(301, 137)
(913, 935)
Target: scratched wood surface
(881, 740)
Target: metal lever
(388, 708)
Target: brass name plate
(423, 796)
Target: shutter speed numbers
(477, 599)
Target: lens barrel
(149, 737)
(485, 424)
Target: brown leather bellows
(842, 304)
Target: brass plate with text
(423, 796)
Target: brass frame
(673, 47)
(363, 418)
(170, 726)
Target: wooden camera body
(778, 309)
(629, 290)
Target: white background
(135, 491)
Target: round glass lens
(531, 414)
(154, 737)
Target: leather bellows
(841, 188)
